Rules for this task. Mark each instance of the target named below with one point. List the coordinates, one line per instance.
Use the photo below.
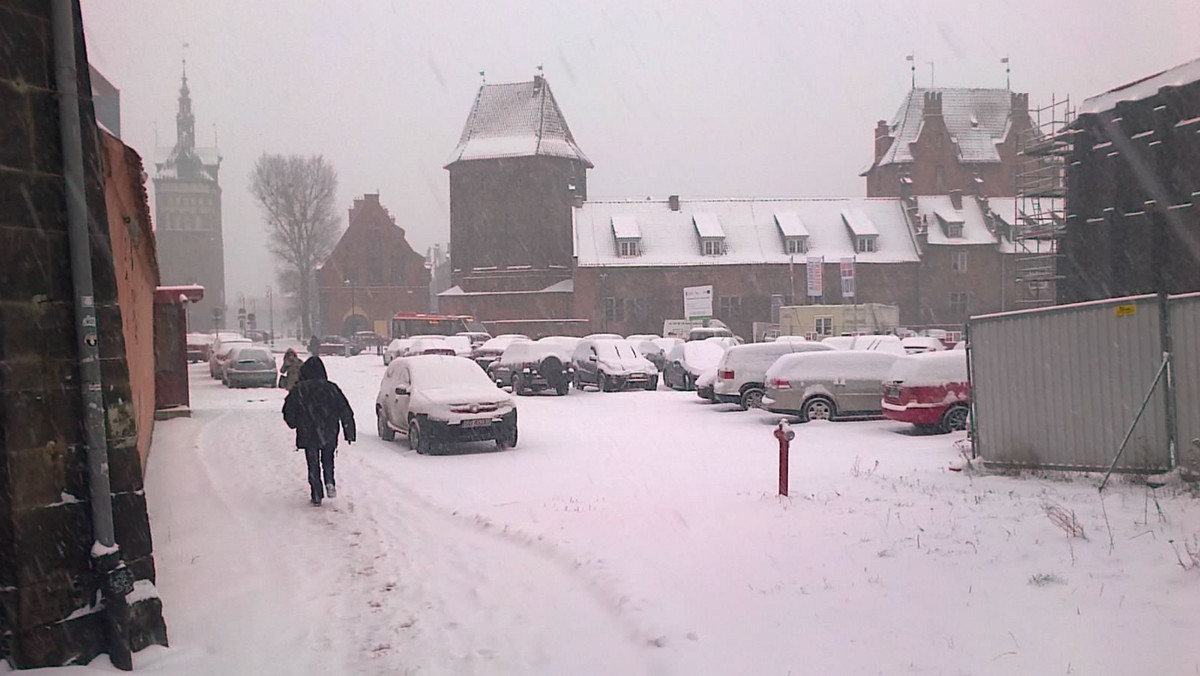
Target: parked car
(533, 366)
(828, 385)
(652, 352)
(199, 345)
(702, 332)
(431, 345)
(477, 338)
(929, 390)
(250, 367)
(564, 344)
(338, 346)
(367, 340)
(491, 350)
(611, 364)
(688, 361)
(741, 373)
(395, 349)
(642, 336)
(603, 336)
(460, 344)
(222, 344)
(257, 336)
(705, 383)
(920, 344)
(884, 343)
(437, 399)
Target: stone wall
(46, 536)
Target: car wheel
(652, 384)
(954, 419)
(817, 408)
(516, 385)
(385, 430)
(507, 437)
(416, 437)
(751, 398)
(562, 389)
(577, 382)
(604, 382)
(689, 383)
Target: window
(823, 326)
(729, 306)
(958, 262)
(959, 302)
(614, 309)
(954, 230)
(796, 245)
(866, 245)
(640, 308)
(627, 248)
(939, 178)
(714, 247)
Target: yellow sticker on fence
(1125, 310)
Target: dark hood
(313, 369)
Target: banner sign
(847, 277)
(698, 302)
(814, 267)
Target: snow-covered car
(921, 344)
(741, 373)
(198, 347)
(438, 399)
(396, 349)
(431, 345)
(604, 336)
(929, 390)
(533, 366)
(635, 337)
(884, 343)
(337, 346)
(702, 332)
(612, 364)
(828, 385)
(477, 338)
(651, 351)
(491, 350)
(705, 383)
(461, 345)
(222, 344)
(688, 361)
(250, 367)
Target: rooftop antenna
(931, 86)
(1007, 74)
(912, 62)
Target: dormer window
(954, 230)
(865, 244)
(864, 233)
(711, 234)
(627, 234)
(951, 221)
(793, 232)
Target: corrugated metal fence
(1059, 387)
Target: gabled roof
(625, 226)
(750, 228)
(790, 224)
(976, 118)
(1142, 89)
(519, 119)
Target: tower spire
(185, 121)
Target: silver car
(828, 385)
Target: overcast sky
(686, 97)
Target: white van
(741, 374)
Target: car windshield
(443, 371)
(249, 355)
(616, 349)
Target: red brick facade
(372, 274)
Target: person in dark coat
(314, 346)
(315, 408)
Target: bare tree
(297, 194)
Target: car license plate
(477, 422)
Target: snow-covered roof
(859, 223)
(1005, 208)
(790, 224)
(1144, 88)
(565, 286)
(708, 225)
(750, 227)
(625, 226)
(975, 231)
(519, 119)
(978, 119)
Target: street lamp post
(271, 312)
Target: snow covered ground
(640, 533)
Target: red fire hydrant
(784, 433)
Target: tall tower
(187, 217)
(514, 178)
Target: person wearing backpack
(316, 408)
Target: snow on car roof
(930, 368)
(752, 234)
(832, 364)
(442, 370)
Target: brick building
(950, 139)
(514, 178)
(1133, 177)
(187, 218)
(371, 274)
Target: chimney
(883, 138)
(1020, 102)
(673, 202)
(956, 199)
(933, 104)
(538, 80)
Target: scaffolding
(1040, 219)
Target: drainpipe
(116, 579)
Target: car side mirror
(402, 391)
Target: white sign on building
(698, 302)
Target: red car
(929, 390)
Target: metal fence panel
(1058, 387)
(1185, 338)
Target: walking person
(315, 408)
(289, 371)
(314, 346)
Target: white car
(921, 344)
(741, 375)
(396, 349)
(612, 365)
(882, 343)
(438, 399)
